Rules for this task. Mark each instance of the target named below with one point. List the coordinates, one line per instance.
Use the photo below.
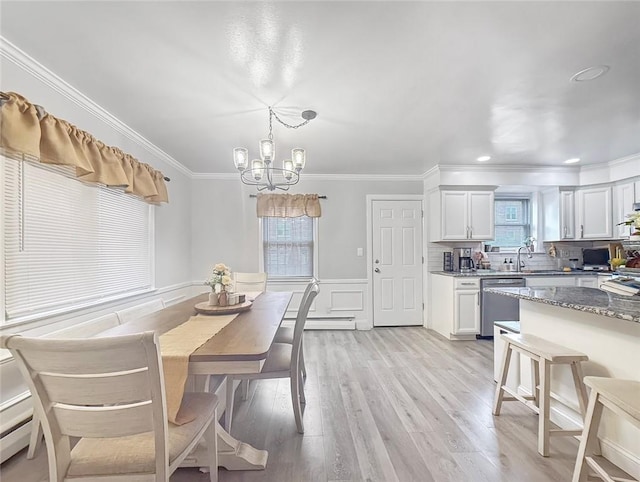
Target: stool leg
(581, 389)
(589, 437)
(506, 359)
(543, 417)
(535, 381)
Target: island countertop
(590, 300)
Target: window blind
(69, 244)
(288, 246)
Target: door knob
(377, 270)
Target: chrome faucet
(519, 263)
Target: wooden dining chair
(110, 393)
(248, 282)
(283, 361)
(285, 333)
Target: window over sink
(512, 221)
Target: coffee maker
(462, 260)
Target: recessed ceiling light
(483, 158)
(591, 73)
(572, 161)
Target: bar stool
(543, 354)
(622, 397)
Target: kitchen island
(584, 320)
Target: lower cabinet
(466, 319)
(455, 306)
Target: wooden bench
(543, 354)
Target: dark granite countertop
(590, 300)
(515, 274)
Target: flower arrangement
(633, 220)
(220, 279)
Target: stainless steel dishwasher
(494, 307)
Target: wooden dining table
(240, 347)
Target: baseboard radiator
(15, 425)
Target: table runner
(176, 346)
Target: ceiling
(399, 87)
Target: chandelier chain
(288, 126)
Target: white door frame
(386, 197)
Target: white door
(397, 262)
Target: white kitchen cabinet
(637, 190)
(623, 199)
(594, 209)
(461, 215)
(455, 306)
(558, 214)
(466, 320)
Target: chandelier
(261, 172)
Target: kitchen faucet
(520, 264)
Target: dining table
(241, 347)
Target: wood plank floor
(390, 404)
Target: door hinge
(422, 213)
(422, 306)
(423, 260)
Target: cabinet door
(550, 281)
(481, 214)
(637, 190)
(466, 312)
(567, 215)
(623, 199)
(594, 213)
(454, 215)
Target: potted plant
(220, 282)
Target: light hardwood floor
(390, 404)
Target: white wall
(225, 226)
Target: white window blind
(68, 244)
(288, 246)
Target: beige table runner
(176, 346)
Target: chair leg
(303, 399)
(535, 380)
(295, 400)
(506, 359)
(36, 436)
(244, 387)
(544, 422)
(589, 437)
(228, 411)
(583, 398)
(211, 438)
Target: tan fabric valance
(288, 205)
(26, 130)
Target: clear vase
(213, 299)
(222, 299)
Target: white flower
(220, 278)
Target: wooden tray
(204, 308)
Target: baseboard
(325, 323)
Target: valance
(288, 205)
(26, 130)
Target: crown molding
(635, 158)
(507, 168)
(215, 176)
(46, 76)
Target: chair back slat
(105, 389)
(104, 422)
(248, 282)
(83, 356)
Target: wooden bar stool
(622, 397)
(543, 354)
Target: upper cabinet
(594, 213)
(559, 214)
(461, 215)
(624, 195)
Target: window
(288, 246)
(512, 222)
(68, 244)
